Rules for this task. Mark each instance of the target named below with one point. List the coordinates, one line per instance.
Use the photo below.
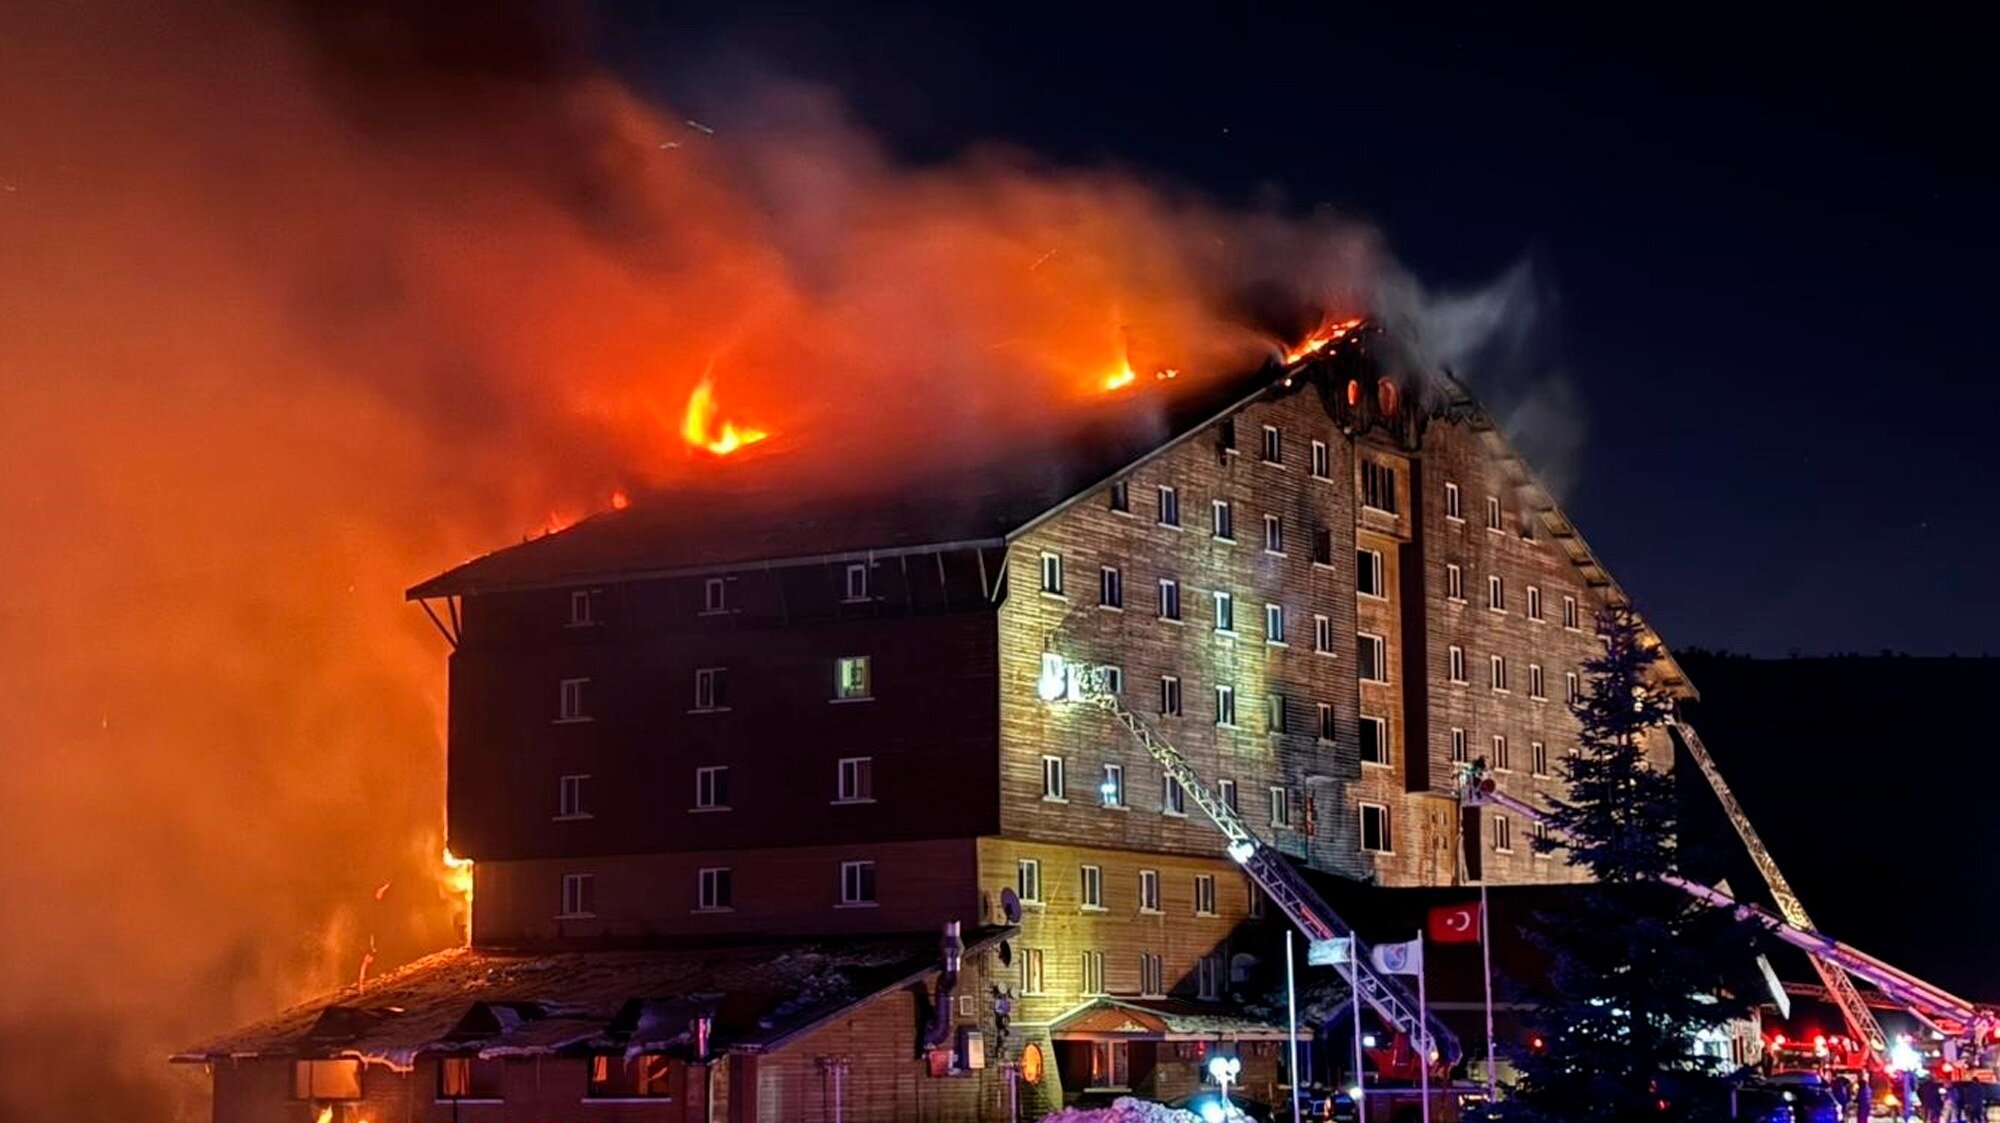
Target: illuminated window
(1109, 1068)
(1170, 599)
(1111, 790)
(1222, 519)
(1374, 828)
(857, 883)
(1225, 612)
(1152, 975)
(1454, 583)
(853, 680)
(1274, 445)
(646, 1076)
(569, 797)
(1170, 506)
(854, 780)
(1503, 835)
(1170, 696)
(714, 889)
(857, 582)
(1281, 807)
(1204, 894)
(1538, 758)
(1028, 880)
(1496, 593)
(1274, 624)
(571, 700)
(1225, 705)
(1322, 635)
(1459, 754)
(1173, 797)
(1032, 979)
(1378, 486)
(579, 895)
(1456, 659)
(1055, 785)
(711, 787)
(711, 688)
(715, 595)
(1274, 534)
(1093, 972)
(1372, 656)
(1499, 760)
(1052, 574)
(1090, 887)
(1149, 890)
(1374, 740)
(1110, 588)
(583, 607)
(1452, 508)
(1322, 464)
(326, 1080)
(1121, 497)
(470, 1078)
(1368, 580)
(1326, 722)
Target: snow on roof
(498, 1003)
(1165, 1018)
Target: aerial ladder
(1062, 681)
(1931, 1004)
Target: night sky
(1762, 248)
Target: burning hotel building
(727, 779)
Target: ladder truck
(1933, 1005)
(1064, 681)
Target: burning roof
(497, 1003)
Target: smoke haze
(300, 306)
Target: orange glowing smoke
(1321, 336)
(700, 429)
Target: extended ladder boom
(1272, 872)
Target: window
(1322, 465)
(1149, 890)
(1111, 790)
(857, 582)
(1208, 977)
(1378, 486)
(1274, 713)
(1572, 688)
(1374, 740)
(583, 607)
(1170, 696)
(1535, 681)
(1226, 791)
(854, 780)
(326, 1080)
(1368, 573)
(711, 787)
(1452, 504)
(1152, 975)
(1052, 574)
(1534, 602)
(853, 679)
(1503, 835)
(1569, 613)
(1274, 445)
(715, 595)
(579, 895)
(1493, 521)
(570, 706)
(1093, 973)
(1281, 807)
(1222, 519)
(1090, 887)
(1323, 547)
(1110, 588)
(1327, 729)
(714, 889)
(1274, 624)
(1204, 894)
(1538, 839)
(1456, 658)
(470, 1078)
(1225, 612)
(1226, 435)
(1374, 828)
(857, 883)
(569, 797)
(1499, 761)
(1459, 754)
(1028, 880)
(1322, 635)
(1496, 593)
(1274, 534)
(1496, 672)
(1121, 497)
(1454, 583)
(1225, 705)
(1372, 653)
(1054, 786)
(1173, 797)
(1108, 1065)
(646, 1076)
(1032, 979)
(711, 688)
(1538, 758)
(1170, 506)
(1114, 678)
(1170, 599)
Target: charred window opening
(647, 1076)
(1378, 486)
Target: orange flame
(1318, 340)
(699, 426)
(1120, 378)
(620, 500)
(457, 884)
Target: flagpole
(1292, 1008)
(1423, 1030)
(1486, 963)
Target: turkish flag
(1455, 924)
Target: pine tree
(1639, 967)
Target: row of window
(586, 606)
(482, 1079)
(1500, 680)
(853, 681)
(1496, 597)
(715, 890)
(1112, 795)
(1092, 981)
(854, 782)
(1500, 836)
(1090, 889)
(1500, 756)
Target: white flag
(1406, 958)
(1327, 953)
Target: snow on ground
(1124, 1109)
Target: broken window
(615, 1076)
(470, 1078)
(326, 1080)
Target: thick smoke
(299, 307)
